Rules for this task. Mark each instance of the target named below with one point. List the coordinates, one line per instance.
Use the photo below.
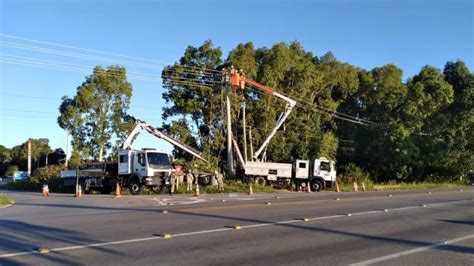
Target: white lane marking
(412, 251)
(221, 230)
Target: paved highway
(428, 227)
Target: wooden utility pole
(29, 157)
(230, 160)
(245, 132)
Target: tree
(5, 159)
(98, 112)
(19, 154)
(195, 105)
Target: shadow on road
(28, 232)
(18, 236)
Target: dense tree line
(16, 158)
(420, 129)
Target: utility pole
(67, 146)
(245, 131)
(29, 157)
(251, 142)
(230, 160)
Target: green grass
(401, 186)
(4, 200)
(229, 187)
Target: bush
(351, 172)
(46, 175)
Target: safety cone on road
(308, 187)
(78, 191)
(196, 194)
(363, 186)
(45, 190)
(337, 187)
(250, 188)
(117, 190)
(354, 186)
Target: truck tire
(316, 185)
(135, 186)
(260, 180)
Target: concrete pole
(67, 146)
(29, 157)
(245, 132)
(230, 160)
(251, 142)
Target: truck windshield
(158, 159)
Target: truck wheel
(260, 180)
(135, 187)
(316, 185)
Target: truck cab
(321, 173)
(325, 171)
(145, 167)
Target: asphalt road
(434, 227)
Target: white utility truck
(319, 173)
(135, 169)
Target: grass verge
(4, 200)
(401, 186)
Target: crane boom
(239, 80)
(155, 132)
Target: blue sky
(367, 34)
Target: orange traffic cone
(45, 190)
(337, 187)
(78, 191)
(196, 194)
(363, 186)
(354, 186)
(308, 187)
(117, 190)
(250, 188)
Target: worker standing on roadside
(173, 182)
(220, 181)
(189, 181)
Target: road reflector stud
(385, 210)
(429, 192)
(43, 250)
(169, 204)
(338, 199)
(424, 205)
(237, 227)
(223, 200)
(277, 197)
(268, 203)
(167, 236)
(349, 214)
(306, 219)
(390, 195)
(165, 212)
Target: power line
(15, 57)
(50, 66)
(158, 63)
(85, 49)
